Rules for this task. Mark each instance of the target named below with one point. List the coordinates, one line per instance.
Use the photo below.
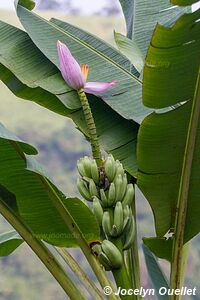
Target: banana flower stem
(121, 275)
(91, 128)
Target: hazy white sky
(86, 6)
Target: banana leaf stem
(179, 253)
(42, 252)
(82, 276)
(91, 128)
(134, 256)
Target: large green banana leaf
(24, 183)
(131, 50)
(142, 15)
(106, 63)
(171, 77)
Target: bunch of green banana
(109, 255)
(87, 167)
(117, 190)
(111, 194)
(121, 190)
(115, 222)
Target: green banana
(97, 210)
(126, 215)
(93, 188)
(118, 218)
(119, 187)
(124, 185)
(112, 158)
(113, 254)
(87, 165)
(86, 179)
(111, 194)
(126, 227)
(119, 169)
(128, 224)
(83, 190)
(129, 195)
(103, 198)
(129, 236)
(95, 172)
(106, 223)
(110, 168)
(104, 261)
(80, 167)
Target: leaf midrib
(185, 186)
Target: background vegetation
(22, 276)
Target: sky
(86, 6)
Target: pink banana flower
(75, 75)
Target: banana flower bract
(75, 75)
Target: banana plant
(148, 127)
(168, 139)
